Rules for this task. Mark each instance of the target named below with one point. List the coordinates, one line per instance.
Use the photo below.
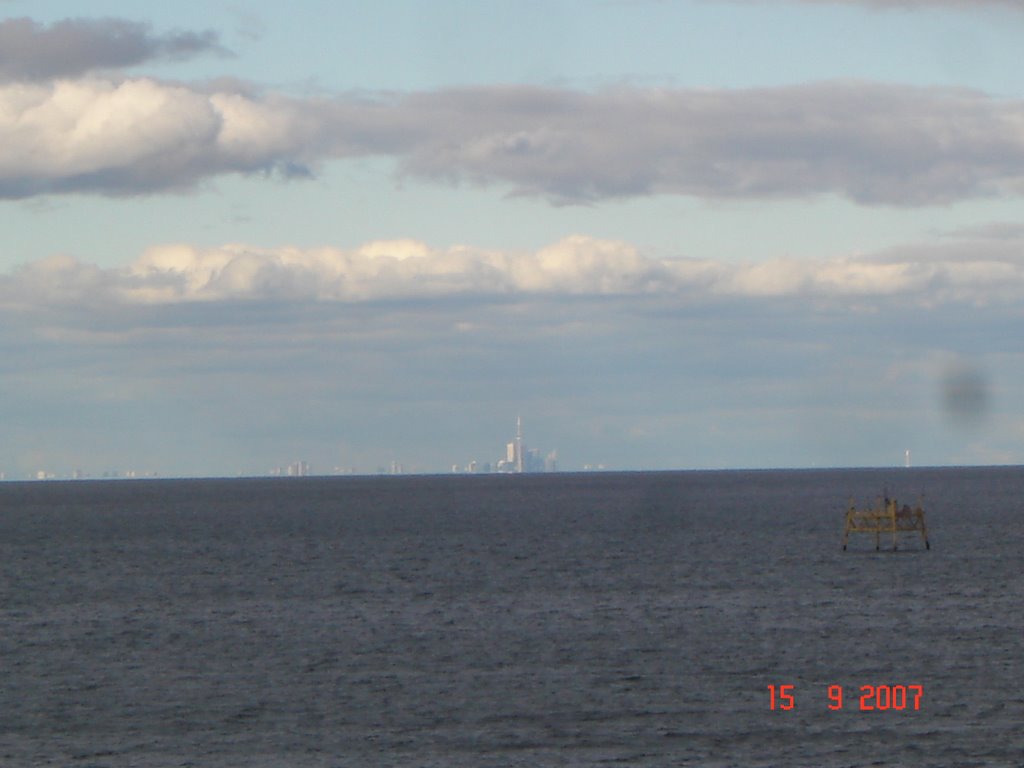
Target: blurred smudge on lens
(965, 394)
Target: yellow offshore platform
(887, 516)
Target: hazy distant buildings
(295, 469)
(79, 474)
(518, 458)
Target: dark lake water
(567, 620)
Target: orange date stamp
(871, 698)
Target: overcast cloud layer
(871, 143)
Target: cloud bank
(32, 51)
(216, 355)
(974, 267)
(873, 144)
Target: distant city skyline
(518, 458)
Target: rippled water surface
(606, 619)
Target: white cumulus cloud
(140, 135)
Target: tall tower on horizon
(519, 443)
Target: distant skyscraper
(551, 462)
(519, 444)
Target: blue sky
(686, 233)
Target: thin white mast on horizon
(519, 443)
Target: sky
(667, 234)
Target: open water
(559, 620)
